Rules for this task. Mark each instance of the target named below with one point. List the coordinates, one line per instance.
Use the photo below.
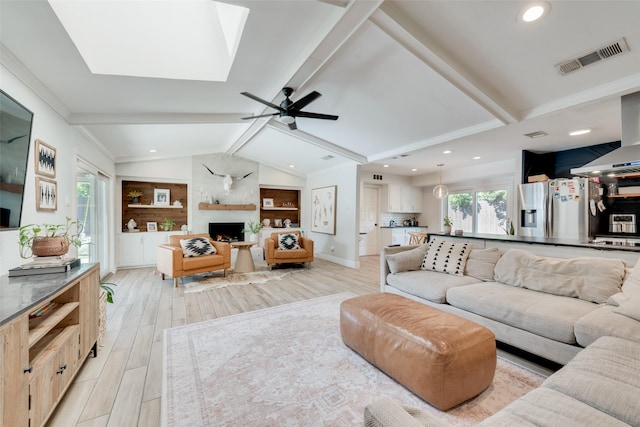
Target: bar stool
(417, 238)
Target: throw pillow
(197, 246)
(481, 263)
(631, 285)
(407, 260)
(630, 308)
(288, 241)
(446, 257)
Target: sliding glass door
(92, 189)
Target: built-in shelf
(154, 207)
(40, 326)
(222, 207)
(279, 209)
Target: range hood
(625, 159)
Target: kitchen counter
(24, 293)
(539, 241)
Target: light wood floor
(123, 385)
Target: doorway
(369, 220)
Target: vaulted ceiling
(409, 80)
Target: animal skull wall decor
(227, 180)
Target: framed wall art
(323, 203)
(267, 203)
(46, 194)
(45, 156)
(161, 197)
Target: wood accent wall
(156, 214)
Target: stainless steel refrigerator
(567, 209)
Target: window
(479, 211)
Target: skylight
(183, 39)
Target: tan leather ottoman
(441, 357)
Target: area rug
(237, 279)
(288, 366)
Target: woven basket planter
(102, 319)
(50, 246)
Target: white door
(369, 220)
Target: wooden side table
(244, 260)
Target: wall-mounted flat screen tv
(15, 138)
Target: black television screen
(15, 138)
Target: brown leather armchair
(273, 255)
(172, 262)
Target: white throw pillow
(630, 308)
(446, 257)
(197, 246)
(288, 241)
(407, 260)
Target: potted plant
(134, 195)
(253, 228)
(48, 239)
(167, 224)
(447, 225)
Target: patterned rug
(288, 366)
(237, 279)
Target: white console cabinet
(139, 249)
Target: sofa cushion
(546, 407)
(288, 241)
(407, 260)
(429, 285)
(204, 261)
(196, 247)
(605, 321)
(291, 254)
(549, 316)
(630, 308)
(605, 376)
(631, 285)
(446, 257)
(481, 263)
(588, 278)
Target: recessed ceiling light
(534, 11)
(446, 152)
(477, 158)
(292, 166)
(385, 166)
(153, 151)
(579, 132)
(414, 170)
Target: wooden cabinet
(402, 199)
(286, 205)
(139, 249)
(43, 349)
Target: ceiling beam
(404, 31)
(158, 118)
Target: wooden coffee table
(244, 261)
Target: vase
(447, 229)
(253, 237)
(50, 246)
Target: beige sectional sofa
(547, 306)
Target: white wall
(50, 127)
(341, 248)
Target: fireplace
(227, 231)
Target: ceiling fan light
(287, 120)
(440, 191)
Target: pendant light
(440, 191)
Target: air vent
(536, 134)
(328, 157)
(609, 51)
(377, 177)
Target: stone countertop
(24, 293)
(539, 241)
(404, 226)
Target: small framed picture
(46, 194)
(152, 226)
(267, 203)
(45, 156)
(277, 223)
(161, 197)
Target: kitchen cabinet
(45, 344)
(139, 249)
(402, 199)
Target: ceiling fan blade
(315, 115)
(260, 100)
(261, 115)
(293, 126)
(304, 101)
